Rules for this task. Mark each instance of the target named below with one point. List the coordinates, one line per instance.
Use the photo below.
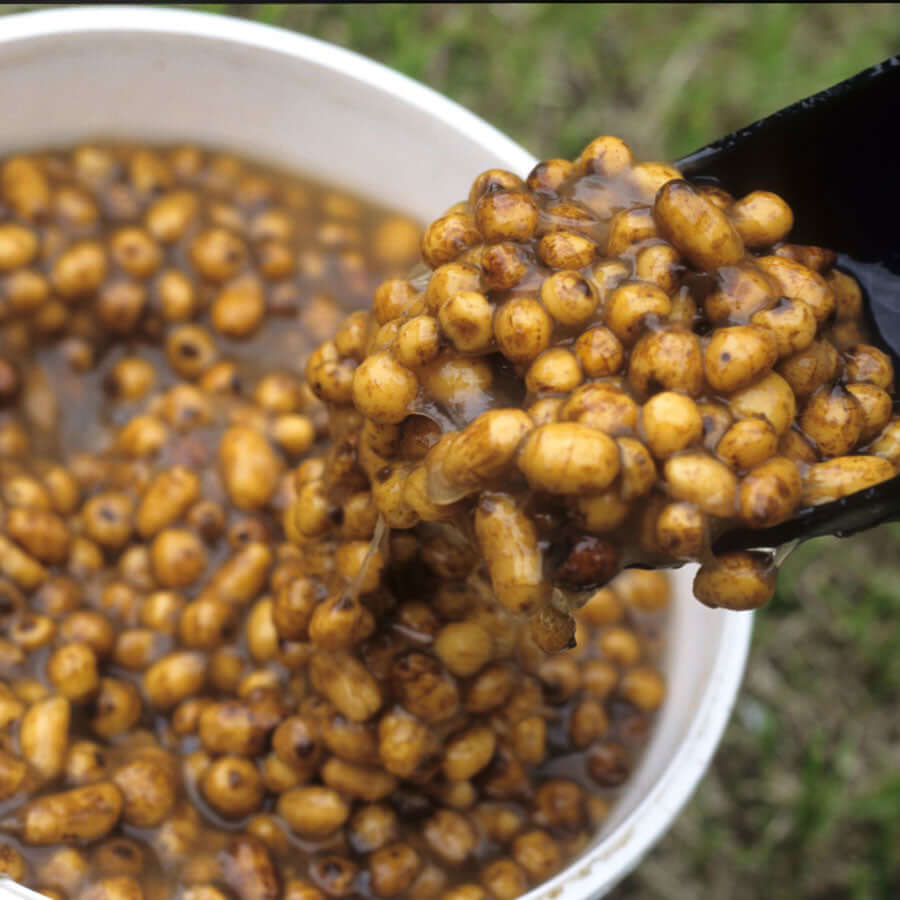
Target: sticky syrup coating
(685, 369)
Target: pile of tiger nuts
(235, 665)
(603, 365)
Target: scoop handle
(858, 512)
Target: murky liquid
(71, 408)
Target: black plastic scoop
(835, 158)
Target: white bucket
(164, 75)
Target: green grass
(803, 800)
(668, 77)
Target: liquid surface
(242, 711)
